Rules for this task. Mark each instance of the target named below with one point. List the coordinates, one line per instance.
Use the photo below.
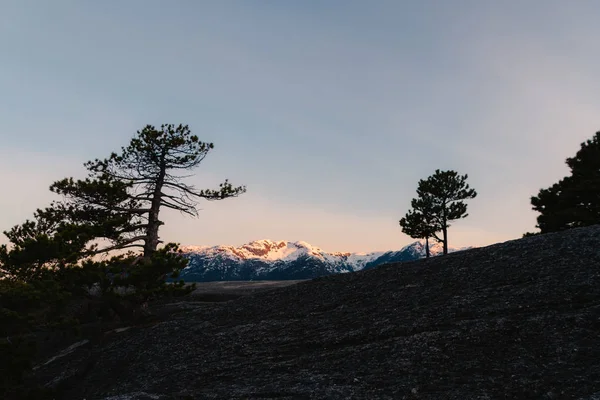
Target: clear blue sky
(329, 111)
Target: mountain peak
(263, 247)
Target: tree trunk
(151, 242)
(152, 233)
(427, 247)
(445, 227)
(445, 231)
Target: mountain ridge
(284, 260)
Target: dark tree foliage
(419, 223)
(574, 201)
(50, 274)
(128, 189)
(530, 234)
(43, 246)
(440, 200)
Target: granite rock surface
(519, 319)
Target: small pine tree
(440, 200)
(419, 223)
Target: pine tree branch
(179, 208)
(115, 247)
(435, 236)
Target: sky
(328, 111)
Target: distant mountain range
(272, 260)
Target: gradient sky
(329, 111)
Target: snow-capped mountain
(281, 260)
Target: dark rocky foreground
(514, 320)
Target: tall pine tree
(127, 190)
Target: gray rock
(519, 319)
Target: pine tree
(574, 201)
(442, 195)
(48, 266)
(127, 191)
(419, 223)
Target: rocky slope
(281, 260)
(514, 320)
